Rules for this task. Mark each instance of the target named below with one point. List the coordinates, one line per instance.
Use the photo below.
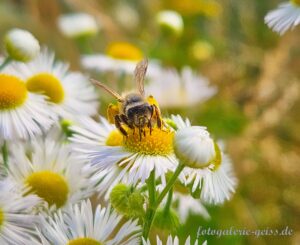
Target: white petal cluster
(170, 19)
(285, 17)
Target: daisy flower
(70, 93)
(172, 89)
(171, 20)
(134, 158)
(78, 225)
(16, 222)
(77, 25)
(52, 172)
(207, 167)
(23, 114)
(120, 57)
(172, 241)
(287, 16)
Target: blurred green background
(256, 110)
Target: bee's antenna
(107, 89)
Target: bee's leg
(125, 120)
(158, 116)
(150, 126)
(118, 123)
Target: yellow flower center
(216, 161)
(159, 142)
(13, 92)
(124, 51)
(84, 241)
(47, 84)
(296, 2)
(1, 217)
(49, 186)
(115, 138)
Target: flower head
(16, 219)
(69, 93)
(23, 114)
(51, 172)
(208, 168)
(171, 20)
(287, 16)
(78, 226)
(21, 45)
(77, 25)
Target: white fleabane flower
(171, 241)
(78, 24)
(287, 16)
(51, 171)
(171, 20)
(23, 114)
(70, 93)
(207, 167)
(134, 158)
(21, 45)
(16, 219)
(173, 89)
(78, 225)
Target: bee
(133, 109)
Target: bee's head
(140, 115)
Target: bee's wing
(139, 75)
(107, 89)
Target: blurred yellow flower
(124, 51)
(201, 50)
(192, 7)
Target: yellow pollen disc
(124, 51)
(158, 143)
(49, 186)
(297, 2)
(13, 92)
(84, 241)
(115, 138)
(1, 217)
(47, 84)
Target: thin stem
(169, 184)
(169, 201)
(150, 213)
(6, 61)
(150, 210)
(5, 155)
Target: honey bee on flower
(133, 109)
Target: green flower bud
(127, 201)
(21, 45)
(166, 220)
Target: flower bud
(127, 201)
(195, 148)
(166, 220)
(170, 20)
(78, 25)
(21, 45)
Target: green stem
(150, 210)
(6, 61)
(5, 155)
(153, 205)
(169, 201)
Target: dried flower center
(84, 241)
(1, 217)
(13, 92)
(296, 2)
(159, 142)
(49, 186)
(124, 51)
(47, 84)
(115, 138)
